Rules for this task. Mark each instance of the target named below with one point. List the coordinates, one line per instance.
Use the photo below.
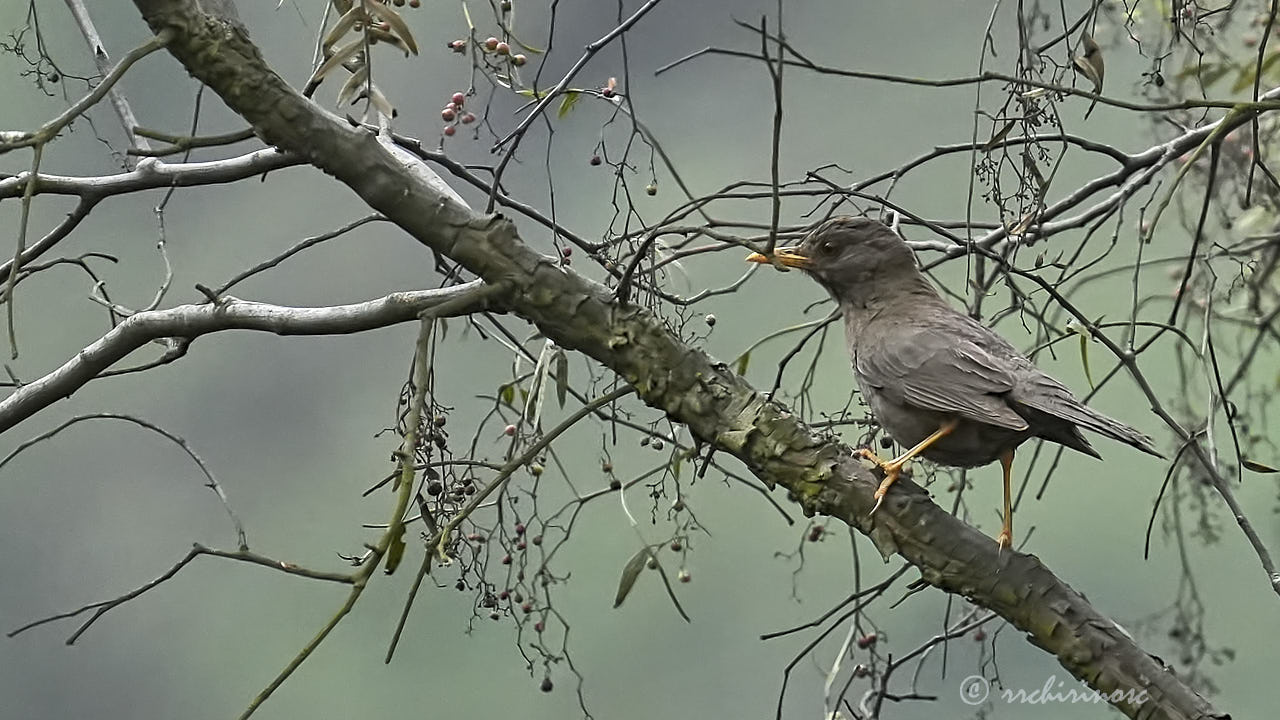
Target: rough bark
(719, 407)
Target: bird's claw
(879, 501)
(867, 454)
(891, 473)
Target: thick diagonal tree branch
(719, 407)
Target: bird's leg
(893, 468)
(1005, 538)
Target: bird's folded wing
(940, 372)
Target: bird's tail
(1117, 430)
(1090, 419)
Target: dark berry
(596, 160)
(546, 685)
(458, 98)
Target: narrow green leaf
(344, 24)
(571, 98)
(740, 365)
(1258, 467)
(562, 377)
(508, 394)
(381, 103)
(1084, 359)
(395, 554)
(397, 23)
(630, 573)
(351, 88)
(339, 56)
(538, 392)
(1000, 135)
(1078, 329)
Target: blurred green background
(288, 425)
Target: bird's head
(852, 257)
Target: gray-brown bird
(939, 382)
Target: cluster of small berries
(453, 112)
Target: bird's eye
(827, 248)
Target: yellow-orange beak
(787, 257)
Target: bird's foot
(867, 454)
(891, 471)
(1004, 540)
